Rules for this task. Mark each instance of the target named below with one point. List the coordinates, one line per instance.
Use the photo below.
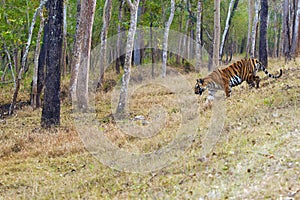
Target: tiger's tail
(271, 75)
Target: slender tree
(133, 6)
(295, 31)
(64, 52)
(216, 40)
(286, 31)
(234, 4)
(106, 20)
(24, 58)
(254, 29)
(275, 22)
(198, 36)
(120, 33)
(250, 20)
(166, 37)
(263, 53)
(36, 64)
(87, 19)
(51, 106)
(42, 65)
(75, 62)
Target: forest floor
(256, 155)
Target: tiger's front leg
(257, 80)
(227, 90)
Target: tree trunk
(227, 26)
(42, 64)
(198, 37)
(180, 39)
(166, 37)
(185, 40)
(36, 64)
(263, 52)
(76, 55)
(152, 51)
(137, 41)
(216, 41)
(275, 49)
(103, 51)
(295, 32)
(286, 31)
(24, 59)
(87, 19)
(254, 30)
(64, 51)
(128, 57)
(120, 33)
(250, 20)
(51, 106)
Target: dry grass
(256, 157)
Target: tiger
(231, 76)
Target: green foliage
(15, 19)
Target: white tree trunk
(233, 3)
(36, 61)
(198, 37)
(254, 30)
(166, 37)
(64, 52)
(24, 58)
(75, 62)
(87, 11)
(217, 27)
(103, 51)
(128, 56)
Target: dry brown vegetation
(256, 157)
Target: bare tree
(87, 18)
(75, 62)
(198, 36)
(234, 4)
(128, 56)
(105, 25)
(250, 20)
(166, 37)
(120, 32)
(216, 40)
(263, 52)
(36, 64)
(24, 58)
(254, 29)
(51, 106)
(64, 52)
(295, 31)
(286, 31)
(275, 22)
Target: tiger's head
(200, 86)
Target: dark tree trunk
(41, 67)
(51, 106)
(263, 52)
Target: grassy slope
(256, 157)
